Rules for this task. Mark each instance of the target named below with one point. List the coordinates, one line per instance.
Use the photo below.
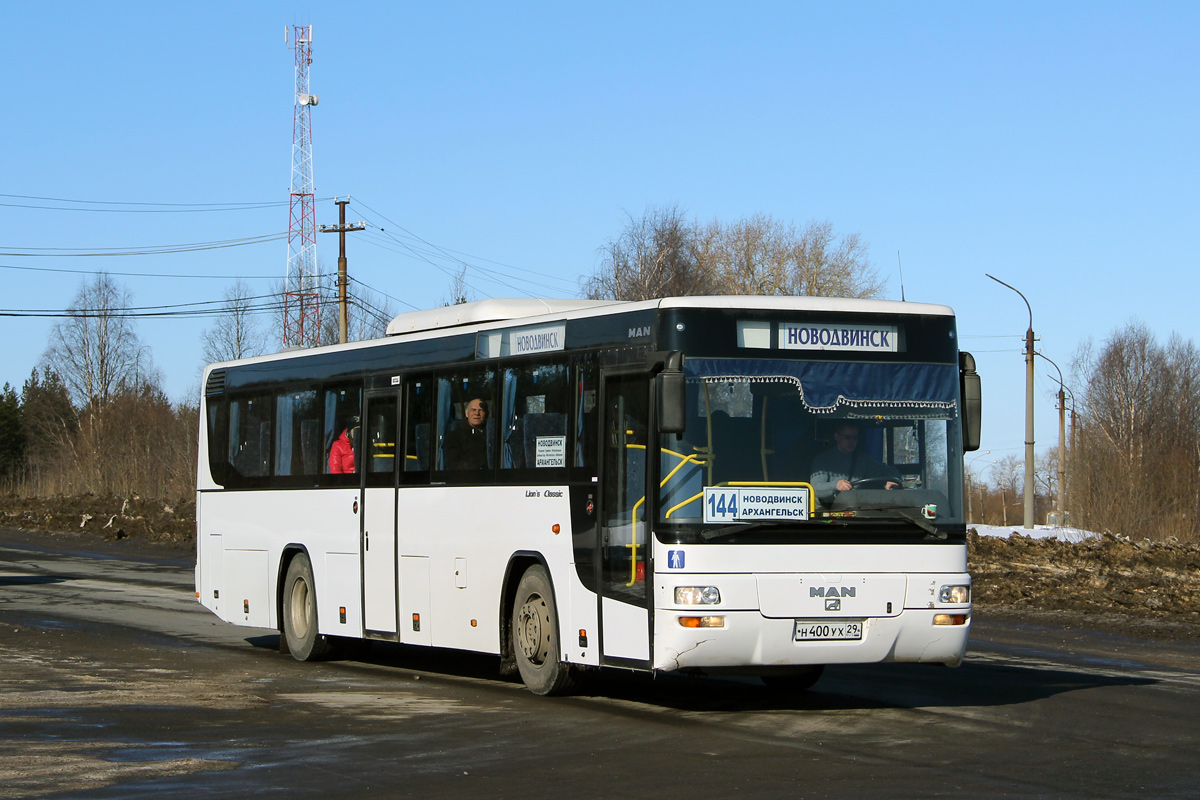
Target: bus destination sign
(812, 336)
(521, 341)
(755, 504)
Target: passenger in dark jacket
(466, 445)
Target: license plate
(815, 630)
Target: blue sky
(1052, 145)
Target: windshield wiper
(712, 534)
(912, 515)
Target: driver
(836, 469)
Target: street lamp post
(1062, 444)
(1028, 409)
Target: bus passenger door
(623, 528)
(378, 453)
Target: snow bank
(1039, 532)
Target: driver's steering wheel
(874, 483)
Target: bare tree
(95, 349)
(372, 312)
(661, 254)
(655, 256)
(1136, 464)
(367, 313)
(236, 333)
(460, 291)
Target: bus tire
(300, 613)
(535, 636)
(801, 680)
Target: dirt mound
(111, 517)
(1107, 580)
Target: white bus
(749, 485)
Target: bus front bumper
(749, 639)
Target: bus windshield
(859, 443)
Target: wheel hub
(529, 630)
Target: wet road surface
(114, 682)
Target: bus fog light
(702, 622)
(954, 594)
(697, 596)
(949, 619)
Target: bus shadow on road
(864, 687)
(843, 687)
(431, 660)
(31, 580)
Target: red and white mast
(302, 299)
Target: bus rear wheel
(535, 636)
(300, 613)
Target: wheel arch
(290, 551)
(518, 563)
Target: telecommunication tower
(302, 299)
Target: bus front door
(624, 615)
(378, 547)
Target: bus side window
(297, 434)
(250, 437)
(343, 412)
(587, 415)
(466, 422)
(533, 421)
(418, 424)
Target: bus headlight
(697, 596)
(954, 594)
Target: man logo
(638, 333)
(831, 591)
(833, 604)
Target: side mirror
(672, 396)
(972, 400)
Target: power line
(385, 294)
(133, 308)
(448, 251)
(141, 274)
(453, 256)
(152, 208)
(151, 250)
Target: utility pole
(340, 229)
(1062, 444)
(1029, 470)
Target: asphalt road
(114, 682)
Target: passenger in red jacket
(341, 454)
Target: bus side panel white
(321, 521)
(416, 623)
(338, 590)
(581, 617)
(247, 596)
(209, 569)
(485, 531)
(625, 630)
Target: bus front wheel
(535, 636)
(300, 613)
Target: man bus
(641, 495)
